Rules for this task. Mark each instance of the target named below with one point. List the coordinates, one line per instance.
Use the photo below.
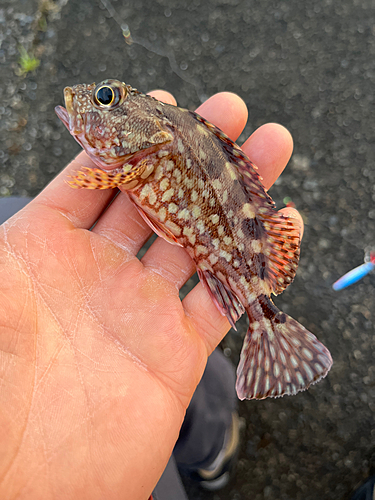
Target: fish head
(113, 122)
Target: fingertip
(227, 111)
(269, 148)
(163, 96)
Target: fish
(196, 188)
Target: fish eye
(108, 96)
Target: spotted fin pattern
(279, 356)
(283, 240)
(96, 178)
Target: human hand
(99, 357)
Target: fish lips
(63, 115)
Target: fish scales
(197, 189)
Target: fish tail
(279, 356)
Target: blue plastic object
(354, 275)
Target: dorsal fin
(249, 176)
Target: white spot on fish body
(216, 243)
(220, 230)
(248, 211)
(225, 196)
(196, 211)
(189, 182)
(194, 196)
(146, 191)
(180, 146)
(227, 256)
(188, 232)
(200, 249)
(181, 193)
(256, 246)
(152, 198)
(164, 183)
(231, 170)
(163, 153)
(213, 258)
(244, 283)
(177, 174)
(200, 226)
(167, 195)
(172, 208)
(227, 240)
(159, 172)
(216, 184)
(200, 183)
(215, 218)
(170, 165)
(188, 163)
(162, 214)
(184, 214)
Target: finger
(269, 148)
(170, 261)
(122, 224)
(227, 111)
(210, 324)
(81, 206)
(163, 96)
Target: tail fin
(279, 356)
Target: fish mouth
(63, 115)
(66, 113)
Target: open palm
(98, 356)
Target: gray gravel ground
(307, 65)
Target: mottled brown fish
(197, 189)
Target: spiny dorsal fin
(248, 171)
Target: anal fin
(279, 356)
(225, 300)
